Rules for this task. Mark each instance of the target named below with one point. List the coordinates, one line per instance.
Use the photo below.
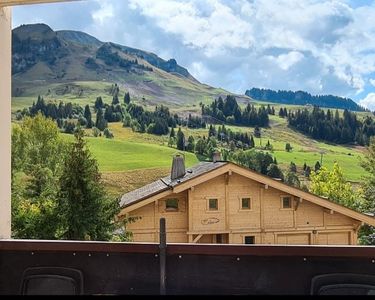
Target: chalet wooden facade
(221, 202)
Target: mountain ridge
(303, 98)
(43, 58)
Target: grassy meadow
(132, 159)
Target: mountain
(78, 37)
(51, 62)
(303, 98)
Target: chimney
(178, 167)
(216, 156)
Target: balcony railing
(38, 267)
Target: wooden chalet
(221, 202)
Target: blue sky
(323, 47)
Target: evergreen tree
(87, 115)
(191, 145)
(86, 212)
(172, 134)
(307, 171)
(180, 140)
(108, 134)
(268, 146)
(291, 178)
(211, 131)
(293, 167)
(252, 143)
(275, 172)
(127, 98)
(288, 147)
(99, 104)
(115, 100)
(101, 123)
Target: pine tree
(172, 134)
(275, 172)
(180, 140)
(87, 115)
(101, 123)
(85, 210)
(292, 179)
(307, 171)
(99, 103)
(252, 143)
(293, 167)
(127, 98)
(115, 100)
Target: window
(171, 204)
(245, 203)
(286, 202)
(249, 239)
(212, 204)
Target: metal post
(163, 256)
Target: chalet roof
(166, 182)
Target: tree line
(230, 112)
(331, 127)
(303, 98)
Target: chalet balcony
(96, 268)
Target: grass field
(118, 155)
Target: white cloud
(369, 101)
(285, 61)
(322, 46)
(104, 13)
(338, 37)
(218, 30)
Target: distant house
(221, 202)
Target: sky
(319, 46)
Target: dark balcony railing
(126, 268)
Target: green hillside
(70, 64)
(78, 68)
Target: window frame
(172, 209)
(282, 202)
(208, 209)
(241, 198)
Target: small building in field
(221, 202)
